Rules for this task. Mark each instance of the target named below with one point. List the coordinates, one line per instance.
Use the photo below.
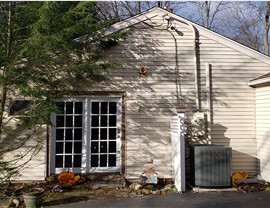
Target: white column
(178, 151)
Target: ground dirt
(89, 188)
(84, 190)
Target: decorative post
(178, 150)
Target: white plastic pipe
(168, 17)
(195, 65)
(208, 97)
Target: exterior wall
(151, 99)
(32, 166)
(232, 100)
(263, 130)
(30, 156)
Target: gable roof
(157, 11)
(263, 79)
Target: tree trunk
(115, 9)
(128, 7)
(139, 7)
(207, 13)
(266, 29)
(7, 57)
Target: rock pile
(147, 189)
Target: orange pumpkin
(71, 182)
(64, 177)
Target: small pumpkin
(64, 177)
(71, 182)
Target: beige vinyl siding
(30, 159)
(233, 102)
(151, 99)
(263, 130)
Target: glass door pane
(104, 134)
(68, 135)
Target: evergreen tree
(38, 57)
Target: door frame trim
(78, 94)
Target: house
(261, 85)
(166, 63)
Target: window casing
(86, 135)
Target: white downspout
(195, 59)
(208, 96)
(195, 65)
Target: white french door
(86, 135)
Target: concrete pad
(202, 190)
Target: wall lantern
(143, 71)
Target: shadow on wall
(263, 152)
(240, 161)
(152, 97)
(21, 146)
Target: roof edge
(259, 81)
(203, 31)
(130, 21)
(224, 40)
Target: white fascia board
(122, 25)
(259, 81)
(130, 22)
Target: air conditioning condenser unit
(211, 166)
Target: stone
(137, 187)
(145, 191)
(16, 202)
(168, 187)
(157, 192)
(162, 192)
(134, 187)
(172, 190)
(99, 192)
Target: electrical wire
(177, 76)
